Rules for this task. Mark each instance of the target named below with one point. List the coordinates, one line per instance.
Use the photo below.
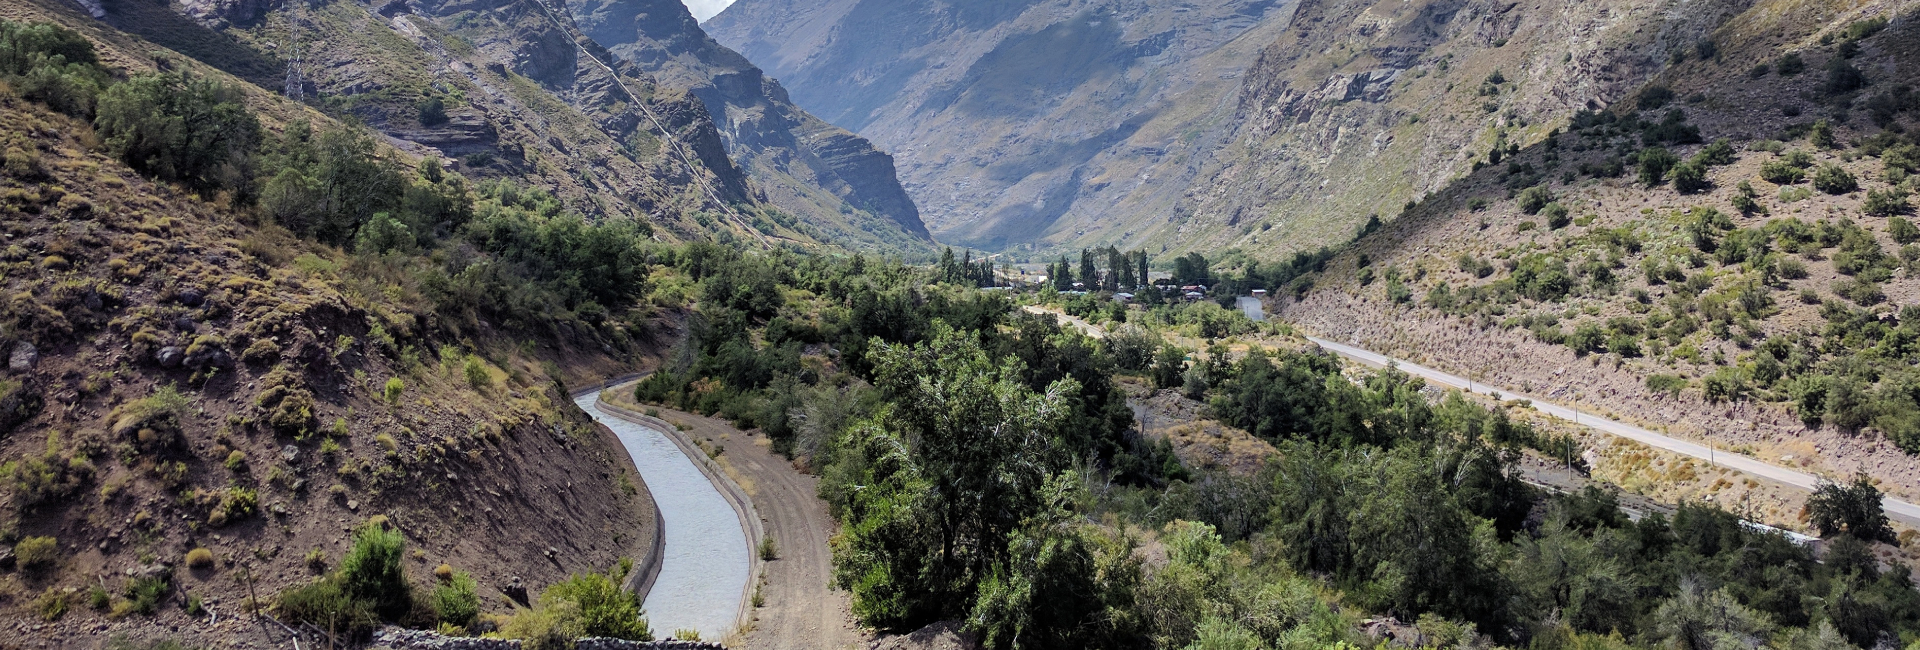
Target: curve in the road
(1896, 509)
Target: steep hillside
(1755, 291)
(512, 89)
(199, 406)
(1045, 122)
(803, 164)
(1369, 105)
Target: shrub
(768, 551)
(1669, 384)
(476, 372)
(325, 604)
(1885, 203)
(1790, 64)
(1716, 154)
(1534, 198)
(1745, 199)
(1654, 163)
(1690, 177)
(37, 554)
(371, 571)
(176, 127)
(199, 558)
(548, 627)
(1843, 78)
(145, 593)
(1821, 135)
(237, 461)
(152, 422)
(456, 600)
(601, 606)
(1779, 172)
(1834, 180)
(433, 112)
(1902, 230)
(52, 65)
(395, 388)
(51, 605)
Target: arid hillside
(1726, 256)
(200, 406)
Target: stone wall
(403, 639)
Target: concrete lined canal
(704, 561)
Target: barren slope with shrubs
(201, 404)
(1728, 256)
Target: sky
(704, 9)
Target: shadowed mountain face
(803, 164)
(1047, 122)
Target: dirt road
(1902, 511)
(800, 610)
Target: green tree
(181, 128)
(1853, 509)
(953, 465)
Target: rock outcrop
(804, 165)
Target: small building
(1195, 295)
(1123, 297)
(1259, 293)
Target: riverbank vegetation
(978, 478)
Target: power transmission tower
(296, 85)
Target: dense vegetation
(950, 451)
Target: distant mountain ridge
(800, 160)
(1020, 122)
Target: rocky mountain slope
(1044, 122)
(803, 164)
(513, 89)
(1733, 263)
(200, 406)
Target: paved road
(1900, 510)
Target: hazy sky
(704, 9)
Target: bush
(433, 112)
(1690, 177)
(1834, 180)
(1790, 64)
(600, 606)
(144, 595)
(1534, 198)
(1779, 172)
(1654, 163)
(768, 551)
(199, 558)
(476, 372)
(1902, 230)
(1886, 203)
(1669, 384)
(395, 388)
(1716, 154)
(325, 604)
(37, 554)
(1556, 215)
(172, 126)
(371, 571)
(52, 65)
(456, 600)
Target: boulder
(170, 356)
(24, 357)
